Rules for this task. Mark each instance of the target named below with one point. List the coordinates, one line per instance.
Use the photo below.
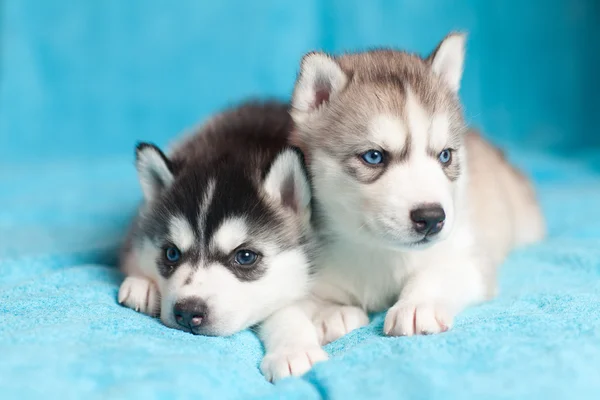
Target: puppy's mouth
(205, 330)
(417, 244)
(397, 237)
(422, 243)
(392, 240)
(202, 330)
(196, 331)
(404, 245)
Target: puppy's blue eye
(445, 156)
(245, 257)
(172, 254)
(372, 157)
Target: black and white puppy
(223, 237)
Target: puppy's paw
(405, 319)
(292, 362)
(141, 295)
(336, 321)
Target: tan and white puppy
(415, 212)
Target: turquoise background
(88, 78)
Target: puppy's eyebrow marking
(389, 132)
(181, 233)
(230, 234)
(438, 136)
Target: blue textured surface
(81, 82)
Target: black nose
(190, 312)
(428, 219)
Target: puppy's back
(505, 209)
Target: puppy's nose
(190, 312)
(428, 219)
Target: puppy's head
(383, 131)
(227, 246)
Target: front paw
(406, 319)
(336, 321)
(292, 362)
(140, 294)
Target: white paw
(336, 321)
(140, 294)
(405, 319)
(293, 362)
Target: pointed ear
(154, 170)
(448, 58)
(320, 79)
(287, 181)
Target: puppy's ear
(155, 171)
(286, 182)
(448, 58)
(320, 79)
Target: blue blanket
(81, 81)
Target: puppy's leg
(432, 297)
(291, 342)
(140, 294)
(334, 321)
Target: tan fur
(505, 211)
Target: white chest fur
(372, 277)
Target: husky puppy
(222, 239)
(415, 211)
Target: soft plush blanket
(63, 335)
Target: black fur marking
(234, 196)
(165, 270)
(235, 151)
(243, 273)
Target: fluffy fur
(379, 248)
(232, 186)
